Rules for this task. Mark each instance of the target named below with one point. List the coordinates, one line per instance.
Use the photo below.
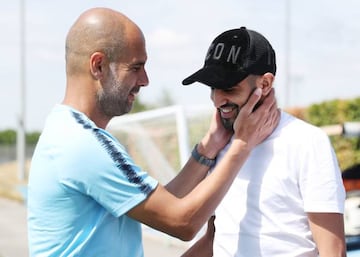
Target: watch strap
(201, 158)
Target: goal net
(159, 141)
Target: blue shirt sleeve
(105, 172)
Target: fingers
(217, 117)
(270, 110)
(254, 125)
(215, 124)
(252, 101)
(270, 98)
(216, 137)
(271, 114)
(211, 226)
(270, 104)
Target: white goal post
(142, 133)
(160, 141)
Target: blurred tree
(165, 99)
(320, 114)
(337, 112)
(138, 106)
(8, 137)
(32, 137)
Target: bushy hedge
(333, 112)
(337, 112)
(321, 114)
(8, 137)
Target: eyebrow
(138, 63)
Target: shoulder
(293, 124)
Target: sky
(317, 45)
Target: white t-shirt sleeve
(320, 177)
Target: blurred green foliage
(338, 112)
(8, 137)
(333, 112)
(321, 114)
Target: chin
(228, 124)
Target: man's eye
(228, 90)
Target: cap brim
(216, 77)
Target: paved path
(13, 235)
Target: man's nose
(143, 79)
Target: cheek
(240, 100)
(244, 96)
(212, 96)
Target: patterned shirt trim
(115, 155)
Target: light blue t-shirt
(81, 184)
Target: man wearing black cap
(288, 198)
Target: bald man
(86, 196)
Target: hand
(210, 232)
(204, 246)
(216, 137)
(253, 126)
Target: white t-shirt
(292, 172)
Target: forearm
(184, 217)
(193, 172)
(188, 178)
(204, 246)
(328, 233)
(201, 202)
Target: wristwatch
(201, 158)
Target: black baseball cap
(232, 56)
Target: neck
(81, 95)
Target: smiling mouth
(228, 111)
(134, 93)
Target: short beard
(229, 123)
(112, 99)
(111, 105)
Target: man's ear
(97, 61)
(267, 82)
